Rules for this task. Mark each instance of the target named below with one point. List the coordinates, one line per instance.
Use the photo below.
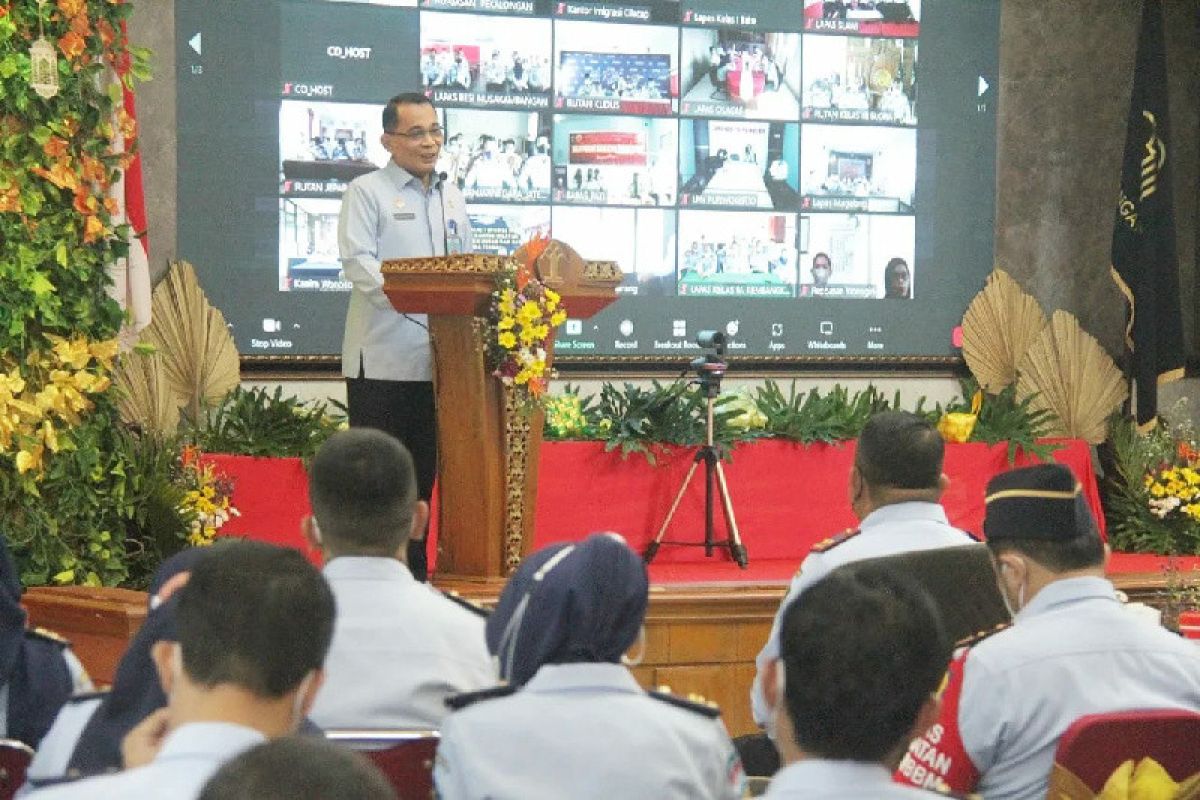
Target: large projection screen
(765, 168)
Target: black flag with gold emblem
(1144, 262)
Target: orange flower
(81, 25)
(61, 174)
(93, 169)
(111, 206)
(56, 147)
(84, 203)
(1187, 452)
(93, 229)
(10, 198)
(126, 124)
(107, 34)
(72, 8)
(72, 45)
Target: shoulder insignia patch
(693, 702)
(460, 701)
(979, 636)
(49, 636)
(462, 602)
(825, 545)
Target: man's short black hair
(363, 489)
(1056, 555)
(293, 767)
(863, 649)
(391, 112)
(901, 450)
(254, 615)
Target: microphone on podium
(441, 182)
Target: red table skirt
(786, 496)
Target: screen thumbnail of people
(609, 67)
(851, 255)
(738, 164)
(324, 146)
(497, 155)
(614, 160)
(860, 79)
(858, 168)
(737, 254)
(733, 72)
(308, 248)
(865, 17)
(501, 229)
(640, 240)
(485, 60)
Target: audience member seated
(293, 768)
(38, 671)
(253, 624)
(86, 736)
(572, 721)
(400, 647)
(860, 662)
(1072, 649)
(895, 485)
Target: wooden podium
(487, 447)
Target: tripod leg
(736, 548)
(652, 548)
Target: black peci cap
(1042, 502)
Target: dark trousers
(405, 409)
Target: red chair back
(404, 756)
(1095, 745)
(14, 760)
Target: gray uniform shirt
(399, 649)
(386, 214)
(896, 528)
(1073, 650)
(584, 731)
(818, 779)
(188, 758)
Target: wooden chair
(14, 760)
(1092, 748)
(404, 755)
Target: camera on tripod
(710, 367)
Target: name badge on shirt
(403, 215)
(454, 242)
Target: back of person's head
(363, 491)
(900, 450)
(254, 616)
(292, 767)
(391, 111)
(1041, 513)
(862, 654)
(569, 603)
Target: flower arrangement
(207, 500)
(524, 312)
(1154, 495)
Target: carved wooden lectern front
(487, 447)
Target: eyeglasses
(419, 134)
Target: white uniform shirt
(386, 214)
(399, 649)
(891, 529)
(1072, 651)
(188, 758)
(55, 750)
(819, 779)
(584, 731)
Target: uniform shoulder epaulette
(979, 636)
(693, 702)
(85, 697)
(462, 602)
(459, 701)
(48, 636)
(825, 545)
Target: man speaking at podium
(404, 210)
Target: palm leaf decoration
(998, 327)
(144, 396)
(1067, 372)
(198, 357)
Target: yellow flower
(29, 459)
(558, 318)
(957, 427)
(522, 377)
(552, 297)
(528, 314)
(506, 323)
(507, 340)
(74, 354)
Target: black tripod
(711, 369)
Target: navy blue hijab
(569, 603)
(32, 667)
(136, 691)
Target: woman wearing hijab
(572, 720)
(86, 736)
(38, 671)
